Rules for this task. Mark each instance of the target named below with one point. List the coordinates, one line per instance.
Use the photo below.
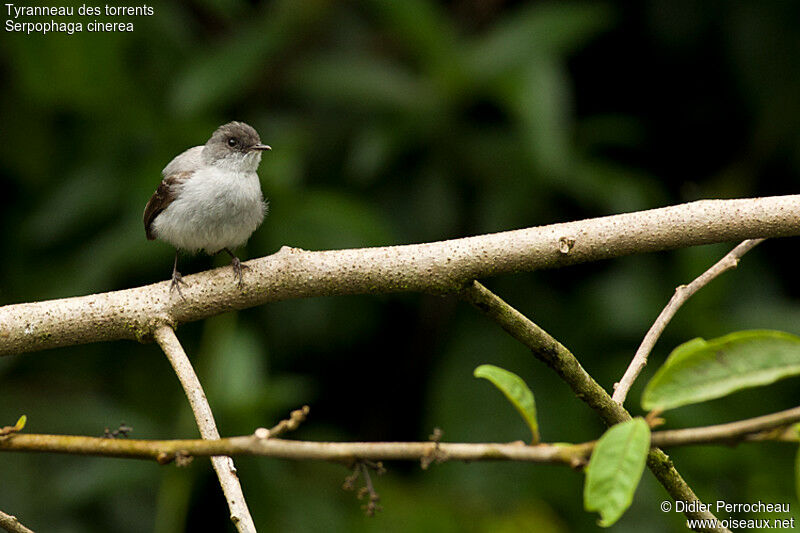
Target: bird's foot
(238, 268)
(175, 285)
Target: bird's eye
(231, 142)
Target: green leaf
(615, 469)
(516, 391)
(21, 423)
(701, 370)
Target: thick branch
(556, 356)
(226, 472)
(260, 443)
(431, 267)
(11, 524)
(682, 293)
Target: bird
(210, 198)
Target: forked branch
(557, 357)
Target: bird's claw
(238, 269)
(177, 281)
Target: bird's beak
(260, 147)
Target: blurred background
(392, 122)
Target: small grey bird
(210, 198)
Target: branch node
(577, 463)
(565, 244)
(289, 250)
(434, 455)
(147, 333)
(653, 418)
(183, 459)
(164, 458)
(5, 431)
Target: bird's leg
(177, 279)
(238, 267)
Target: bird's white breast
(215, 208)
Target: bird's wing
(164, 195)
(189, 160)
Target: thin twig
(12, 524)
(682, 293)
(768, 427)
(557, 357)
(434, 267)
(731, 432)
(296, 417)
(372, 506)
(226, 471)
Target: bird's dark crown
(233, 137)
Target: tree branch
(11, 524)
(261, 444)
(758, 428)
(431, 267)
(682, 293)
(296, 417)
(557, 357)
(226, 471)
(347, 453)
